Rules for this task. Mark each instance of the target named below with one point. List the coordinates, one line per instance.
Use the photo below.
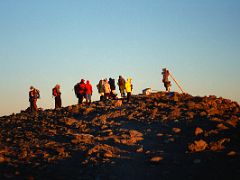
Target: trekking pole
(176, 83)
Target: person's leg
(58, 102)
(89, 99)
(128, 96)
(31, 106)
(35, 105)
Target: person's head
(88, 82)
(32, 88)
(120, 77)
(82, 80)
(129, 79)
(57, 86)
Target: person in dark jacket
(80, 91)
(100, 89)
(113, 94)
(89, 92)
(121, 84)
(57, 95)
(33, 96)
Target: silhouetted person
(129, 88)
(57, 94)
(89, 92)
(100, 89)
(113, 93)
(165, 79)
(121, 84)
(33, 96)
(107, 89)
(80, 91)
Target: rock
(88, 110)
(118, 103)
(154, 113)
(198, 146)
(174, 114)
(221, 126)
(233, 121)
(218, 146)
(176, 130)
(140, 150)
(70, 121)
(2, 159)
(156, 159)
(198, 131)
(232, 153)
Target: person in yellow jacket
(129, 88)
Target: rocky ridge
(161, 136)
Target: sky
(43, 43)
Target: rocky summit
(160, 136)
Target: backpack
(121, 82)
(54, 93)
(37, 94)
(76, 89)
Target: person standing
(80, 91)
(89, 92)
(107, 89)
(57, 94)
(165, 79)
(129, 88)
(100, 89)
(34, 94)
(113, 93)
(121, 84)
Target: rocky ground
(161, 136)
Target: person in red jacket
(81, 91)
(88, 93)
(57, 94)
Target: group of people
(106, 89)
(83, 90)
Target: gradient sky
(44, 42)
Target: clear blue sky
(44, 42)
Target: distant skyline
(43, 43)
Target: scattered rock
(156, 159)
(232, 153)
(176, 130)
(198, 146)
(97, 136)
(198, 131)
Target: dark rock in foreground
(161, 136)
